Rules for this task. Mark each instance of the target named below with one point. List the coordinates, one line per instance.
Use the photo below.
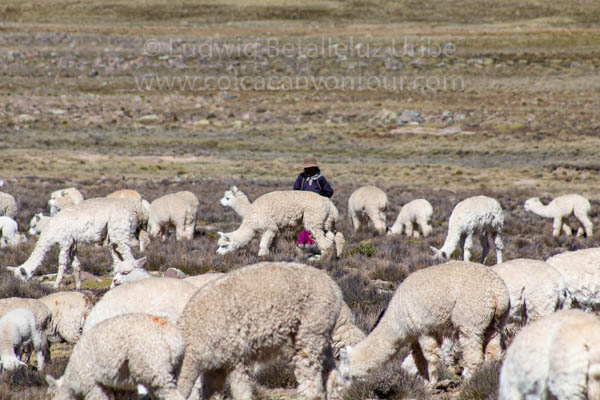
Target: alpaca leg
(240, 383)
(408, 230)
(467, 247)
(586, 223)
(472, 350)
(567, 229)
(425, 227)
(416, 233)
(64, 260)
(324, 241)
(354, 218)
(485, 246)
(419, 360)
(431, 352)
(499, 244)
(76, 269)
(556, 226)
(378, 219)
(190, 371)
(265, 242)
(308, 362)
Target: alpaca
(277, 308)
(69, 311)
(126, 194)
(536, 288)
(9, 232)
(563, 207)
(368, 202)
(120, 353)
(63, 198)
(237, 200)
(417, 212)
(275, 212)
(581, 271)
(19, 330)
(8, 205)
(458, 298)
(102, 220)
(479, 215)
(556, 357)
(176, 210)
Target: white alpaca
(126, 194)
(9, 232)
(563, 207)
(536, 288)
(275, 212)
(119, 354)
(69, 311)
(581, 271)
(63, 198)
(8, 205)
(458, 298)
(277, 308)
(237, 200)
(110, 221)
(557, 357)
(417, 212)
(478, 215)
(176, 210)
(19, 330)
(163, 297)
(368, 202)
(37, 224)
(41, 312)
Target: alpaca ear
(435, 251)
(234, 189)
(223, 236)
(139, 263)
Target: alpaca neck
(379, 347)
(43, 246)
(542, 210)
(241, 206)
(451, 242)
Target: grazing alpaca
(479, 215)
(368, 202)
(111, 221)
(457, 298)
(563, 207)
(275, 212)
(417, 212)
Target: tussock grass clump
(483, 385)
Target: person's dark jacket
(319, 185)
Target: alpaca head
(35, 225)
(531, 203)
(438, 254)
(19, 272)
(224, 243)
(230, 196)
(129, 271)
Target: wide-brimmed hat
(310, 162)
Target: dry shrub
(389, 382)
(483, 385)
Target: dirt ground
(441, 100)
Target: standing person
(311, 180)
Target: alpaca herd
(187, 338)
